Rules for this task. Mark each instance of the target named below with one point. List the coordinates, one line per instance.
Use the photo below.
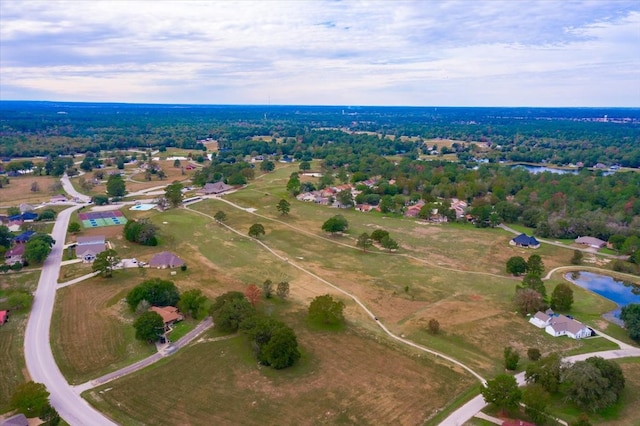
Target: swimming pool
(143, 207)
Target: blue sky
(449, 53)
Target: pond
(620, 292)
(540, 169)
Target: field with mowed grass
(347, 377)
(12, 364)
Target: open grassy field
(12, 365)
(18, 190)
(343, 378)
(91, 332)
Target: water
(620, 292)
(541, 169)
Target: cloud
(312, 52)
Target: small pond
(540, 169)
(620, 292)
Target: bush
(533, 354)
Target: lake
(620, 292)
(541, 169)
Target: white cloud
(385, 53)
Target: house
(215, 188)
(17, 420)
(170, 315)
(4, 317)
(58, 198)
(165, 260)
(14, 255)
(541, 319)
(14, 225)
(591, 242)
(29, 216)
(24, 207)
(24, 237)
(523, 240)
(564, 326)
(87, 248)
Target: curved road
(69, 189)
(37, 349)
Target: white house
(565, 326)
(540, 319)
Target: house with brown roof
(15, 254)
(215, 188)
(170, 315)
(591, 242)
(165, 260)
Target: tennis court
(96, 219)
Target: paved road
(37, 350)
(69, 189)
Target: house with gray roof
(523, 240)
(87, 248)
(591, 242)
(564, 326)
(215, 188)
(165, 260)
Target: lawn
(12, 365)
(91, 331)
(218, 382)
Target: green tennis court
(97, 219)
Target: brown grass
(19, 190)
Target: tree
(434, 326)
(304, 166)
(324, 309)
(562, 297)
(511, 358)
(47, 214)
(283, 207)
(173, 194)
(536, 399)
(220, 216)
(528, 301)
(293, 186)
(611, 371)
(191, 302)
(503, 392)
(335, 224)
(516, 265)
(229, 310)
(30, 398)
(281, 350)
(547, 372)
(535, 267)
(105, 262)
(252, 293)
(156, 291)
(141, 232)
(35, 187)
(587, 387)
(364, 241)
(6, 236)
(283, 290)
(630, 314)
(256, 230)
(149, 326)
(576, 259)
(36, 251)
(389, 243)
(345, 198)
(116, 186)
(19, 300)
(100, 200)
(267, 288)
(267, 166)
(534, 282)
(176, 163)
(73, 228)
(533, 354)
(379, 234)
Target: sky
(323, 52)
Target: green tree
(534, 282)
(533, 354)
(617, 241)
(173, 194)
(511, 358)
(283, 290)
(516, 265)
(141, 232)
(116, 186)
(304, 166)
(281, 350)
(47, 214)
(19, 300)
(156, 291)
(229, 310)
(345, 198)
(389, 243)
(503, 392)
(547, 372)
(73, 228)
(256, 230)
(630, 314)
(267, 289)
(562, 297)
(379, 234)
(587, 387)
(191, 302)
(326, 310)
(293, 186)
(364, 241)
(267, 166)
(100, 200)
(335, 224)
(220, 216)
(30, 398)
(576, 259)
(105, 262)
(149, 326)
(536, 399)
(283, 207)
(631, 244)
(176, 163)
(6, 236)
(36, 251)
(535, 267)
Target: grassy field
(218, 382)
(19, 190)
(12, 365)
(91, 332)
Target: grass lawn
(91, 331)
(12, 365)
(19, 189)
(333, 383)
(181, 328)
